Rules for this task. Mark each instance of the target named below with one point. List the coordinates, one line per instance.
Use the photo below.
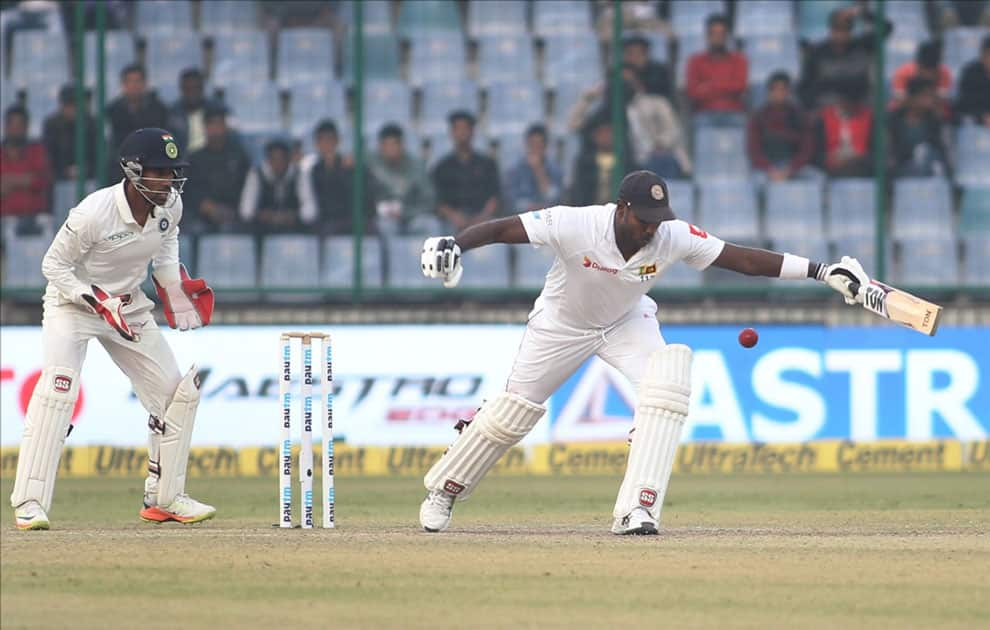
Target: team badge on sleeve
(163, 224)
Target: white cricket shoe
(29, 515)
(434, 513)
(183, 509)
(638, 522)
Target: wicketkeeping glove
(441, 258)
(839, 276)
(110, 308)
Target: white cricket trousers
(550, 353)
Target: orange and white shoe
(184, 509)
(29, 515)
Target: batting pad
(46, 425)
(176, 436)
(498, 425)
(662, 407)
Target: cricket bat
(898, 306)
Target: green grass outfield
(802, 551)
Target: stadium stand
(928, 260)
(305, 55)
(440, 98)
(489, 268)
(571, 17)
(228, 16)
(922, 207)
(505, 58)
(728, 209)
(794, 210)
(437, 56)
(688, 18)
(240, 57)
(289, 261)
(764, 17)
(163, 16)
(119, 51)
(337, 267)
(531, 266)
(312, 101)
(497, 17)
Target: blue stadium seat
(851, 205)
(187, 253)
(486, 268)
(337, 270)
(687, 46)
(240, 57)
(41, 102)
(290, 261)
(813, 17)
(565, 95)
(929, 260)
(377, 15)
(497, 17)
(386, 101)
(230, 262)
(794, 210)
(682, 199)
(381, 57)
(38, 58)
(962, 45)
(562, 16)
(812, 246)
(304, 55)
(22, 268)
(255, 107)
(532, 265)
(680, 275)
(975, 210)
(976, 263)
(511, 148)
(769, 53)
(514, 106)
(119, 51)
(720, 153)
(228, 16)
(440, 98)
(163, 16)
(312, 101)
(428, 16)
(864, 250)
(973, 156)
(64, 198)
(570, 58)
(569, 153)
(908, 17)
(168, 54)
(688, 18)
(505, 58)
(764, 17)
(403, 254)
(898, 50)
(728, 209)
(922, 207)
(437, 56)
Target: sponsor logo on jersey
(697, 231)
(647, 497)
(590, 264)
(62, 384)
(163, 224)
(119, 236)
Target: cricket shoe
(183, 509)
(29, 515)
(638, 522)
(434, 513)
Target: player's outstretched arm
(441, 255)
(761, 262)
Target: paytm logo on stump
(803, 383)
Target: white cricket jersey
(100, 243)
(591, 285)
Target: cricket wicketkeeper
(594, 302)
(95, 267)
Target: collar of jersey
(120, 200)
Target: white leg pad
(661, 409)
(176, 437)
(45, 427)
(498, 425)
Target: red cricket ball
(748, 338)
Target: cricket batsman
(594, 302)
(95, 267)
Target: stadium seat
(304, 55)
(41, 102)
(168, 54)
(908, 17)
(381, 57)
(976, 263)
(511, 148)
(532, 265)
(794, 209)
(728, 209)
(428, 16)
(437, 56)
(570, 58)
(64, 198)
(922, 207)
(119, 51)
(230, 262)
(928, 260)
(38, 58)
(497, 17)
(687, 45)
(811, 246)
(311, 102)
(975, 210)
(568, 157)
(898, 50)
(228, 16)
(255, 107)
(486, 268)
(973, 156)
(337, 270)
(240, 57)
(565, 95)
(163, 16)
(680, 275)
(562, 16)
(813, 18)
(505, 58)
(851, 204)
(386, 101)
(688, 18)
(440, 98)
(377, 15)
(764, 17)
(720, 153)
(22, 267)
(406, 276)
(290, 261)
(864, 250)
(768, 54)
(681, 193)
(962, 45)
(514, 106)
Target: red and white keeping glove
(110, 308)
(188, 303)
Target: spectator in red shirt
(716, 79)
(844, 131)
(779, 136)
(25, 177)
(926, 65)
